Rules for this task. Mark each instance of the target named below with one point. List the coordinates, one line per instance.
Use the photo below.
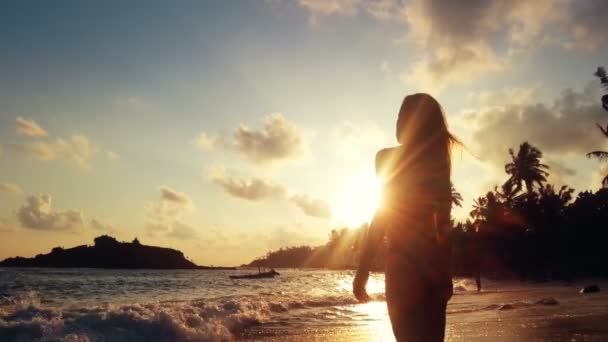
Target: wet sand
(501, 329)
(514, 314)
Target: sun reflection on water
(375, 285)
(372, 315)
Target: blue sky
(104, 106)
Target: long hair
(423, 132)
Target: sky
(229, 128)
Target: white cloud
(311, 206)
(78, 150)
(278, 140)
(319, 8)
(29, 128)
(37, 213)
(564, 127)
(165, 215)
(253, 189)
(10, 187)
(513, 96)
(179, 198)
(206, 142)
(258, 189)
(460, 41)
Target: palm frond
(604, 131)
(601, 155)
(600, 72)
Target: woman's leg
(415, 306)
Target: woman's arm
(374, 236)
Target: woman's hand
(359, 283)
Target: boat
(260, 275)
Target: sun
(356, 199)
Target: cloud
(584, 22)
(10, 187)
(78, 150)
(254, 189)
(385, 9)
(278, 140)
(111, 155)
(564, 127)
(179, 198)
(464, 40)
(311, 207)
(29, 128)
(206, 142)
(103, 226)
(514, 96)
(37, 213)
(460, 41)
(1, 151)
(559, 171)
(258, 189)
(165, 215)
(319, 8)
(450, 65)
(378, 9)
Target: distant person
(415, 218)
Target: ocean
(300, 305)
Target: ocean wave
(23, 317)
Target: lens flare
(357, 199)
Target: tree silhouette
(526, 168)
(456, 197)
(602, 155)
(601, 73)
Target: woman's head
(422, 129)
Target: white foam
(24, 318)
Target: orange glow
(357, 199)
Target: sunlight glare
(357, 199)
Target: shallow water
(199, 305)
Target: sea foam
(24, 318)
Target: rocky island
(107, 252)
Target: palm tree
(601, 73)
(526, 168)
(602, 155)
(456, 197)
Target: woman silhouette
(414, 216)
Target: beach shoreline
(505, 328)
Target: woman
(414, 216)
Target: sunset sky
(228, 128)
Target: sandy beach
(513, 313)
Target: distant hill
(107, 252)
